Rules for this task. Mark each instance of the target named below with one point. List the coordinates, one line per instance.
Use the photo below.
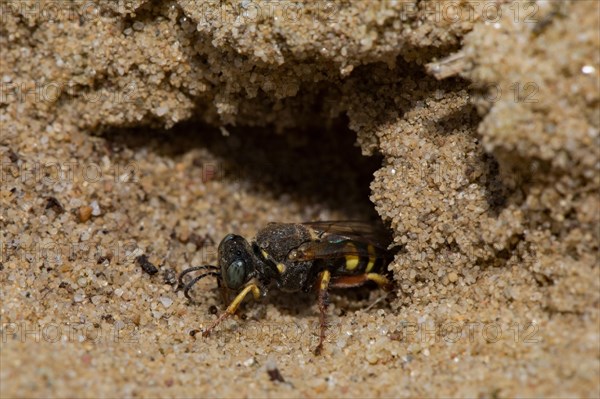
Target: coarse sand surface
(134, 135)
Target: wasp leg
(354, 281)
(231, 309)
(324, 279)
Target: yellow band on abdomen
(352, 262)
(372, 258)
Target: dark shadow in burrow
(313, 166)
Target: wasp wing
(367, 232)
(338, 239)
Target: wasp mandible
(299, 257)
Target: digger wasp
(299, 257)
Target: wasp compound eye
(236, 261)
(229, 237)
(236, 274)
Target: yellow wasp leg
(381, 280)
(323, 282)
(355, 281)
(233, 306)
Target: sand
(148, 128)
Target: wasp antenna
(186, 289)
(193, 269)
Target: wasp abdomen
(363, 258)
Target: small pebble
(53, 203)
(169, 276)
(273, 371)
(84, 213)
(161, 111)
(146, 265)
(96, 299)
(166, 301)
(453, 277)
(95, 208)
(79, 297)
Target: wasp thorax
(236, 261)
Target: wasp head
(236, 261)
